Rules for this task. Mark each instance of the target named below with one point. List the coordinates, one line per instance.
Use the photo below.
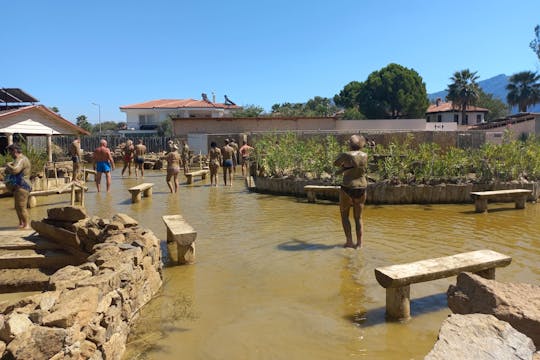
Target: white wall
(382, 124)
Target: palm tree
(463, 91)
(523, 90)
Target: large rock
(67, 277)
(14, 325)
(77, 305)
(517, 304)
(67, 213)
(56, 234)
(39, 343)
(478, 337)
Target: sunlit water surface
(272, 280)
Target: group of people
(228, 157)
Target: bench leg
(487, 274)
(78, 196)
(186, 254)
(135, 197)
(148, 192)
(189, 179)
(520, 202)
(480, 205)
(32, 202)
(203, 176)
(398, 305)
(311, 196)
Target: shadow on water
(299, 245)
(419, 306)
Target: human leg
(108, 178)
(98, 180)
(344, 209)
(168, 180)
(21, 201)
(358, 207)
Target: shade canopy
(15, 95)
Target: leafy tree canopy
(535, 43)
(497, 108)
(82, 121)
(165, 128)
(353, 114)
(523, 90)
(348, 97)
(318, 106)
(249, 111)
(55, 109)
(463, 91)
(393, 92)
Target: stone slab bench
(180, 239)
(481, 197)
(88, 172)
(312, 190)
(190, 175)
(398, 278)
(138, 191)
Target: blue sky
(69, 54)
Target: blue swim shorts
(103, 166)
(228, 163)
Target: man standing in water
(227, 152)
(75, 152)
(353, 165)
(214, 161)
(245, 152)
(234, 145)
(127, 156)
(103, 163)
(185, 156)
(140, 150)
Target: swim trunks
(103, 166)
(227, 163)
(173, 170)
(75, 159)
(354, 193)
(127, 158)
(139, 160)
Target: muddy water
(272, 281)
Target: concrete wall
(449, 116)
(381, 125)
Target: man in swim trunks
(234, 145)
(127, 156)
(227, 153)
(245, 151)
(173, 167)
(215, 160)
(140, 150)
(103, 163)
(75, 152)
(353, 166)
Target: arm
(111, 160)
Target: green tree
(348, 97)
(535, 43)
(523, 90)
(249, 111)
(393, 92)
(82, 121)
(463, 91)
(320, 106)
(497, 108)
(165, 128)
(55, 109)
(352, 114)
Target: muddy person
(140, 151)
(214, 157)
(234, 145)
(245, 152)
(127, 156)
(227, 153)
(185, 156)
(103, 164)
(353, 166)
(75, 153)
(173, 168)
(17, 181)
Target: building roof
(178, 104)
(62, 126)
(16, 95)
(449, 107)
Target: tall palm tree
(463, 91)
(523, 90)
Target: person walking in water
(103, 163)
(17, 181)
(234, 145)
(127, 156)
(185, 156)
(227, 153)
(140, 150)
(215, 158)
(353, 166)
(173, 168)
(75, 152)
(245, 152)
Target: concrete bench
(201, 173)
(312, 190)
(397, 278)
(481, 198)
(88, 172)
(139, 190)
(180, 239)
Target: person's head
(14, 149)
(213, 144)
(129, 142)
(226, 141)
(103, 142)
(77, 138)
(356, 142)
(140, 141)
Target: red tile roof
(178, 103)
(448, 106)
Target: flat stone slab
(178, 230)
(495, 193)
(16, 280)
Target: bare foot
(358, 246)
(348, 245)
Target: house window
(456, 118)
(428, 119)
(439, 118)
(147, 119)
(478, 118)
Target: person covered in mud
(140, 151)
(215, 159)
(185, 156)
(173, 167)
(127, 156)
(227, 153)
(17, 181)
(353, 165)
(75, 152)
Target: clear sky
(70, 54)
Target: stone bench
(312, 190)
(481, 198)
(201, 173)
(180, 239)
(88, 172)
(139, 190)
(397, 278)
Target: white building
(145, 117)
(446, 112)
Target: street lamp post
(99, 116)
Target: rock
(67, 213)
(39, 343)
(14, 325)
(2, 347)
(517, 304)
(67, 277)
(478, 337)
(78, 305)
(105, 282)
(48, 299)
(115, 347)
(125, 219)
(56, 234)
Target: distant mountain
(495, 85)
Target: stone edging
(88, 311)
(382, 193)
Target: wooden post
(49, 147)
(72, 195)
(398, 305)
(9, 138)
